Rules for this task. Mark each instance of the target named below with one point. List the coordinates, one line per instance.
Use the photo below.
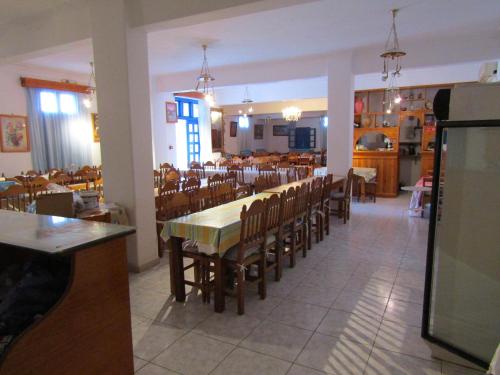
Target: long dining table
(215, 231)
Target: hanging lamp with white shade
(205, 79)
(247, 102)
(87, 102)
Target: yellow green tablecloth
(216, 229)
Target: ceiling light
(292, 114)
(204, 80)
(392, 50)
(87, 102)
(248, 109)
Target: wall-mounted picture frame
(258, 131)
(233, 129)
(280, 130)
(95, 127)
(171, 112)
(14, 133)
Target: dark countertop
(54, 234)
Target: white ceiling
(313, 28)
(20, 10)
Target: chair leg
(292, 250)
(279, 262)
(171, 273)
(159, 228)
(240, 291)
(262, 276)
(327, 221)
(344, 210)
(309, 234)
(348, 209)
(304, 239)
(319, 228)
(197, 274)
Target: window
(302, 138)
(58, 102)
(243, 122)
(188, 111)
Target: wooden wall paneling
(88, 331)
(387, 164)
(426, 162)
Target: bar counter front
(64, 296)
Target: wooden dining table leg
(219, 303)
(177, 267)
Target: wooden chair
(302, 173)
(325, 199)
(209, 166)
(15, 198)
(172, 175)
(225, 163)
(266, 170)
(343, 199)
(283, 165)
(37, 186)
(261, 184)
(246, 165)
(274, 228)
(190, 185)
(249, 251)
(273, 180)
(293, 158)
(165, 167)
(301, 213)
(231, 178)
(371, 188)
(33, 173)
(61, 179)
(315, 220)
(201, 200)
(191, 173)
(222, 194)
(240, 175)
(168, 187)
(198, 169)
(215, 180)
(157, 178)
(288, 213)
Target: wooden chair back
(231, 178)
(284, 165)
(316, 194)
(291, 175)
(157, 178)
(32, 173)
(191, 184)
(209, 165)
(301, 202)
(288, 203)
(243, 191)
(273, 180)
(172, 175)
(201, 200)
(274, 217)
(173, 205)
(15, 198)
(191, 173)
(37, 186)
(215, 180)
(165, 166)
(62, 179)
(266, 170)
(261, 184)
(293, 158)
(348, 184)
(222, 194)
(246, 165)
(198, 169)
(168, 187)
(301, 172)
(253, 228)
(238, 171)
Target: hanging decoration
(205, 79)
(292, 114)
(87, 102)
(247, 102)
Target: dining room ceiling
(313, 28)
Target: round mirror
(373, 142)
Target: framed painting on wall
(171, 110)
(280, 130)
(95, 127)
(14, 133)
(258, 131)
(233, 129)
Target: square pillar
(340, 114)
(123, 98)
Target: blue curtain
(59, 139)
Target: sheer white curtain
(61, 129)
(245, 136)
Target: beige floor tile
(360, 303)
(361, 328)
(152, 369)
(386, 362)
(334, 355)
(314, 295)
(246, 362)
(402, 339)
(150, 339)
(301, 370)
(414, 279)
(254, 306)
(139, 363)
(184, 315)
(404, 312)
(370, 270)
(228, 327)
(297, 314)
(406, 293)
(194, 354)
(372, 286)
(277, 340)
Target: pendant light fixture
(87, 102)
(205, 79)
(292, 114)
(247, 102)
(392, 67)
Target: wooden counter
(88, 329)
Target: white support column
(123, 96)
(340, 113)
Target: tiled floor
(353, 306)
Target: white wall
(13, 100)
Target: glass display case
(462, 291)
